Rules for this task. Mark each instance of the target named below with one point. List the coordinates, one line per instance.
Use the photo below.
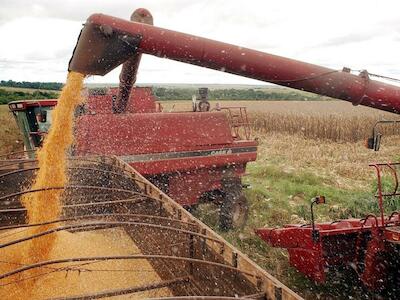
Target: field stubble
(331, 120)
(333, 127)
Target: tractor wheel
(234, 208)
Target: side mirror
(315, 233)
(319, 200)
(374, 142)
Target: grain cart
(121, 237)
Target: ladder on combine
(238, 121)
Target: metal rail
(125, 291)
(104, 225)
(23, 209)
(72, 168)
(71, 158)
(94, 216)
(98, 203)
(381, 194)
(6, 155)
(77, 187)
(15, 163)
(125, 257)
(207, 298)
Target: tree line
(8, 96)
(56, 86)
(163, 93)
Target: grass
(337, 128)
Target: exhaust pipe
(130, 68)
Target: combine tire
(234, 208)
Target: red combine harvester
(195, 153)
(187, 154)
(193, 156)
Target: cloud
(31, 38)
(78, 10)
(41, 34)
(348, 39)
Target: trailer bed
(133, 221)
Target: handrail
(378, 167)
(242, 122)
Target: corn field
(333, 120)
(329, 127)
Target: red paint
(31, 103)
(186, 188)
(141, 100)
(130, 68)
(192, 163)
(339, 245)
(193, 149)
(236, 60)
(124, 134)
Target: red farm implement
(370, 246)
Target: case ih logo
(221, 152)
(185, 154)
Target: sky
(38, 36)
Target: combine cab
(33, 118)
(193, 156)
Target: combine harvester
(192, 156)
